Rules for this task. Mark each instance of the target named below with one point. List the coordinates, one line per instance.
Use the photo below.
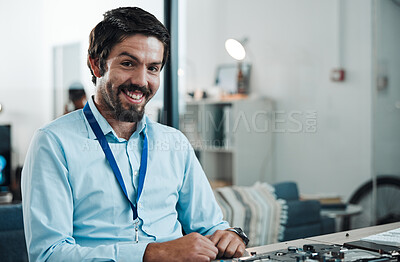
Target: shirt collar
(141, 125)
(106, 127)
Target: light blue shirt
(74, 208)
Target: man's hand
(229, 244)
(192, 247)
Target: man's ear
(94, 65)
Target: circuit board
(322, 253)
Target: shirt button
(135, 173)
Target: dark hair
(76, 91)
(76, 94)
(117, 25)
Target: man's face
(131, 79)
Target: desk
(352, 235)
(336, 238)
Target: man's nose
(139, 76)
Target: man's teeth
(134, 95)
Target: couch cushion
(287, 191)
(11, 217)
(12, 239)
(301, 212)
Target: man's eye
(127, 63)
(153, 68)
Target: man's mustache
(132, 88)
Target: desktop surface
(330, 247)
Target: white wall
(24, 88)
(293, 46)
(29, 31)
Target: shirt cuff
(129, 251)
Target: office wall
(29, 32)
(293, 46)
(24, 88)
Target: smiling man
(130, 80)
(106, 183)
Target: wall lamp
(236, 49)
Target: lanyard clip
(136, 230)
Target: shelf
(227, 139)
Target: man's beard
(132, 114)
(112, 99)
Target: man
(77, 98)
(106, 183)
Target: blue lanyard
(111, 160)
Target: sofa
(12, 239)
(301, 218)
(272, 213)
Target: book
(389, 238)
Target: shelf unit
(232, 139)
